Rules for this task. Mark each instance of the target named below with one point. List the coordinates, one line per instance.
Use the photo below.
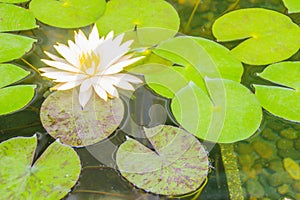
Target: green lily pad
(147, 22)
(15, 46)
(281, 101)
(16, 97)
(161, 78)
(283, 73)
(269, 36)
(51, 176)
(63, 118)
(293, 6)
(177, 165)
(15, 18)
(208, 57)
(67, 13)
(13, 1)
(198, 58)
(232, 115)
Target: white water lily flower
(92, 63)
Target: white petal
(81, 41)
(128, 78)
(110, 35)
(68, 54)
(74, 48)
(94, 35)
(100, 92)
(69, 85)
(84, 97)
(49, 69)
(107, 85)
(53, 57)
(86, 85)
(61, 65)
(120, 65)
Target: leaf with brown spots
(177, 165)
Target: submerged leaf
(281, 101)
(177, 165)
(50, 177)
(147, 22)
(67, 14)
(293, 6)
(15, 97)
(15, 18)
(269, 35)
(15, 46)
(233, 114)
(64, 118)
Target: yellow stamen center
(88, 61)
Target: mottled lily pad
(15, 46)
(147, 22)
(67, 13)
(282, 101)
(15, 97)
(233, 114)
(269, 35)
(51, 176)
(15, 18)
(177, 165)
(293, 6)
(64, 118)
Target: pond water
(250, 169)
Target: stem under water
(31, 66)
(188, 24)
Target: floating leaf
(67, 14)
(233, 114)
(269, 36)
(281, 101)
(13, 1)
(15, 18)
(177, 165)
(284, 73)
(293, 6)
(200, 57)
(63, 118)
(50, 177)
(154, 21)
(15, 97)
(15, 46)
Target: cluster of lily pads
(199, 76)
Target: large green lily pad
(147, 22)
(198, 58)
(269, 36)
(177, 165)
(64, 118)
(51, 176)
(67, 13)
(293, 6)
(15, 18)
(16, 97)
(281, 101)
(15, 46)
(233, 114)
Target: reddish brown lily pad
(177, 165)
(64, 118)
